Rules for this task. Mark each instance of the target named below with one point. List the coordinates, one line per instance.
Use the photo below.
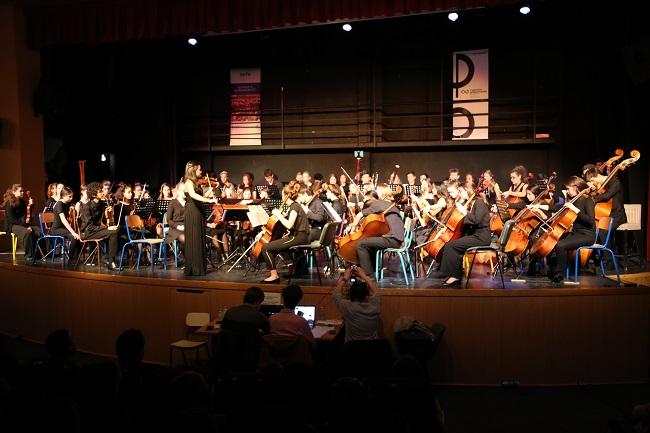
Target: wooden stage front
(531, 333)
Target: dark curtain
(125, 20)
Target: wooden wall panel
(542, 336)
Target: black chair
(418, 344)
(235, 351)
(326, 240)
(367, 358)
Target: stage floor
(393, 279)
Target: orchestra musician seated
(367, 247)
(90, 221)
(16, 222)
(583, 231)
(62, 227)
(296, 222)
(477, 224)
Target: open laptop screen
(308, 312)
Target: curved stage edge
(543, 336)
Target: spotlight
(192, 41)
(103, 157)
(524, 10)
(347, 27)
(453, 16)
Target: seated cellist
(477, 226)
(296, 222)
(366, 247)
(583, 230)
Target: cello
(373, 225)
(526, 221)
(449, 227)
(272, 231)
(607, 165)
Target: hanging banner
(245, 97)
(470, 95)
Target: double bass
(604, 209)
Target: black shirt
(477, 221)
(245, 318)
(175, 214)
(393, 218)
(302, 222)
(90, 216)
(316, 213)
(614, 190)
(60, 208)
(15, 216)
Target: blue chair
(604, 223)
(402, 252)
(174, 244)
(45, 220)
(135, 227)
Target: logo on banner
(245, 99)
(470, 95)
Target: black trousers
(28, 237)
(451, 263)
(557, 260)
(368, 247)
(314, 233)
(270, 250)
(112, 240)
(75, 245)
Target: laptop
(308, 312)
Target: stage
(530, 333)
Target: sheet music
(334, 216)
(257, 215)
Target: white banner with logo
(470, 87)
(245, 97)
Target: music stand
(162, 206)
(271, 203)
(144, 207)
(230, 215)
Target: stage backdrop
(470, 95)
(245, 127)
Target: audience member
(361, 311)
(286, 322)
(247, 317)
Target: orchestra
(449, 216)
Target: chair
(402, 252)
(633, 224)
(45, 220)
(604, 223)
(193, 321)
(95, 252)
(134, 225)
(284, 350)
(14, 242)
(325, 241)
(494, 247)
(174, 243)
(367, 358)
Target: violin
(28, 212)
